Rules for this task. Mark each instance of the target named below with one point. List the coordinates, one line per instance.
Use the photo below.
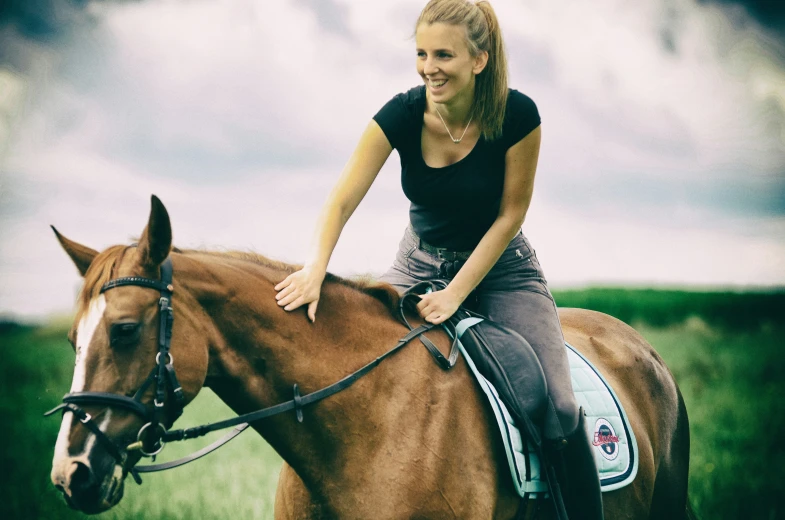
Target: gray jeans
(514, 293)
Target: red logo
(604, 438)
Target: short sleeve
(521, 118)
(392, 118)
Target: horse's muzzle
(85, 492)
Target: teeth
(438, 83)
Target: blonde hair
(482, 34)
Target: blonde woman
(469, 147)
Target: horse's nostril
(82, 477)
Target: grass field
(729, 365)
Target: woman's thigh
(516, 295)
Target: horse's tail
(671, 498)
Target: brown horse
(408, 440)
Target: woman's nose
(430, 67)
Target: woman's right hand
(299, 288)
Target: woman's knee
(565, 407)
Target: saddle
(475, 334)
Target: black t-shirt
(453, 206)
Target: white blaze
(84, 336)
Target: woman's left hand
(437, 307)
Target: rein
(163, 376)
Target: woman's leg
(515, 295)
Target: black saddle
(501, 355)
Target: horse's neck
(393, 434)
(260, 351)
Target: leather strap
(346, 382)
(102, 398)
(440, 252)
(410, 299)
(152, 468)
(139, 281)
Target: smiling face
(445, 63)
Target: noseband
(167, 387)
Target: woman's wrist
(457, 291)
(315, 268)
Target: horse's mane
(99, 273)
(103, 265)
(383, 292)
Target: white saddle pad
(615, 448)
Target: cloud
(768, 13)
(240, 115)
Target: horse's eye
(124, 334)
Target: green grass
(733, 384)
(737, 311)
(236, 481)
(731, 373)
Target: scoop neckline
(419, 140)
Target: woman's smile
(437, 85)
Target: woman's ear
(480, 61)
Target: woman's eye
(124, 334)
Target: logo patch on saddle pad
(605, 439)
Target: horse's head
(117, 339)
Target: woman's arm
(520, 167)
(369, 156)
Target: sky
(663, 121)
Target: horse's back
(654, 406)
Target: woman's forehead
(440, 35)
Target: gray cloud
(769, 13)
(332, 16)
(241, 115)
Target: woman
(469, 149)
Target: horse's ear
(156, 241)
(82, 256)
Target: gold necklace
(454, 140)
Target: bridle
(167, 389)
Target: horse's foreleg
(292, 499)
